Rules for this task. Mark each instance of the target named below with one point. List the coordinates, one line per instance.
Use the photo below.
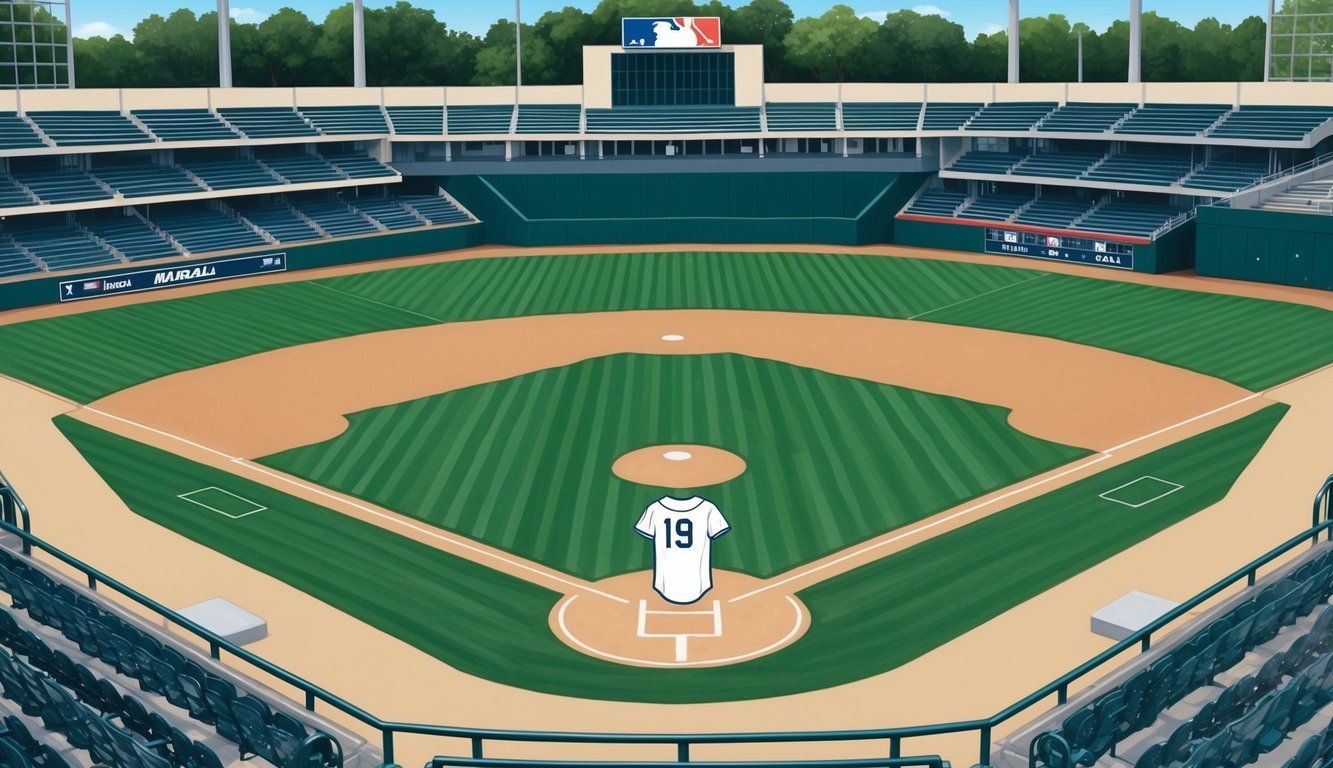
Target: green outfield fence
(1321, 525)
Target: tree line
(410, 46)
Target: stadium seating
(998, 207)
(361, 119)
(88, 128)
(948, 117)
(801, 117)
(980, 161)
(301, 168)
(1309, 197)
(62, 186)
(62, 247)
(1225, 175)
(268, 122)
(87, 679)
(881, 116)
(1053, 211)
(1010, 116)
(17, 134)
(1062, 165)
(185, 125)
(359, 166)
(231, 174)
(480, 119)
(676, 120)
(937, 202)
(549, 118)
(14, 262)
(425, 121)
(145, 179)
(1254, 686)
(436, 209)
(335, 217)
(12, 195)
(1173, 119)
(281, 222)
(388, 212)
(1135, 168)
(202, 230)
(135, 239)
(1123, 217)
(1085, 118)
(1272, 123)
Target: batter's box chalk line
(1170, 489)
(213, 488)
(682, 639)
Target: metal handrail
(1172, 223)
(683, 742)
(1308, 165)
(11, 502)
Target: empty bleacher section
(13, 261)
(948, 117)
(1308, 197)
(185, 125)
(386, 211)
(280, 221)
(435, 209)
(145, 179)
(982, 161)
(132, 237)
(674, 120)
(1252, 686)
(342, 120)
(233, 173)
(300, 167)
(335, 217)
(1010, 116)
(1085, 118)
(17, 134)
(88, 128)
(425, 121)
(801, 117)
(1227, 175)
(549, 118)
(1173, 119)
(1053, 211)
(886, 116)
(937, 202)
(12, 195)
(359, 166)
(1061, 165)
(201, 230)
(62, 186)
(995, 207)
(268, 122)
(1272, 123)
(1155, 168)
(480, 119)
(59, 246)
(1128, 217)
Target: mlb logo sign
(1052, 242)
(1011, 237)
(1099, 247)
(93, 285)
(671, 32)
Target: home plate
(673, 337)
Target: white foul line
(374, 301)
(453, 540)
(979, 295)
(1102, 456)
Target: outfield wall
(835, 208)
(1266, 246)
(46, 290)
(1169, 253)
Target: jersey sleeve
(717, 524)
(647, 525)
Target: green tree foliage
(407, 45)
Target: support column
(1013, 41)
(1135, 40)
(69, 47)
(358, 44)
(224, 44)
(1268, 42)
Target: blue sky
(107, 17)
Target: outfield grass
(868, 621)
(1252, 343)
(524, 464)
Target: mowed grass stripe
(865, 622)
(1253, 343)
(830, 460)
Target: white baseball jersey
(682, 531)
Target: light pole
(1135, 40)
(224, 44)
(358, 44)
(1013, 41)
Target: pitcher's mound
(728, 625)
(679, 466)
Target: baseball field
(926, 445)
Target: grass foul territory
(524, 464)
(90, 355)
(865, 622)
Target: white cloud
(247, 15)
(875, 16)
(931, 10)
(990, 28)
(96, 29)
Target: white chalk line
(1099, 457)
(569, 635)
(374, 301)
(435, 534)
(979, 295)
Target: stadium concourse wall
(1265, 246)
(831, 208)
(46, 290)
(1172, 251)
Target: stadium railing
(1308, 165)
(1321, 525)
